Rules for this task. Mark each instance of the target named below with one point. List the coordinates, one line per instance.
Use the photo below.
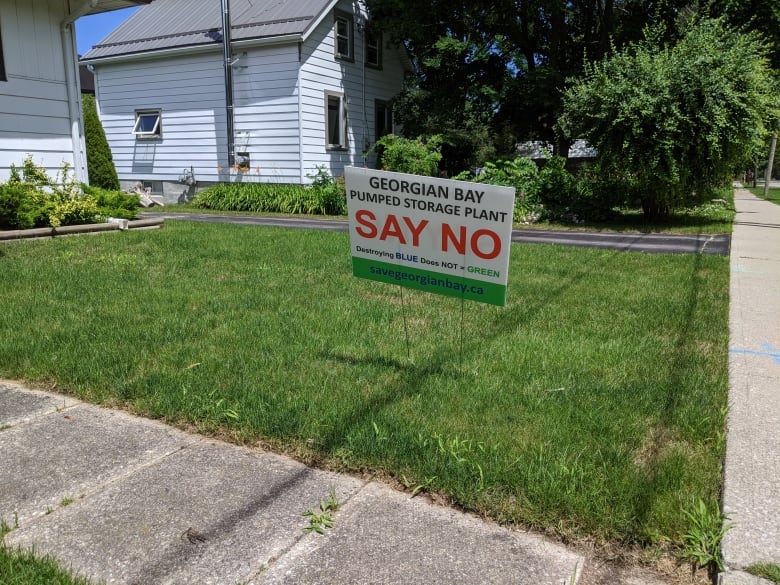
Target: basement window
(148, 124)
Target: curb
(35, 233)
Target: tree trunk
(768, 175)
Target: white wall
(34, 115)
(361, 86)
(189, 91)
(270, 84)
(265, 95)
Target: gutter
(72, 87)
(195, 49)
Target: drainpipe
(68, 36)
(226, 43)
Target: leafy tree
(674, 122)
(100, 164)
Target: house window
(2, 60)
(336, 122)
(383, 119)
(373, 48)
(343, 36)
(148, 124)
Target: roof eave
(194, 49)
(315, 22)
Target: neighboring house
(86, 80)
(537, 150)
(310, 82)
(40, 113)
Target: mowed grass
(19, 567)
(772, 195)
(592, 405)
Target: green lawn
(591, 406)
(25, 568)
(773, 195)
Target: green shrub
(520, 173)
(114, 203)
(404, 155)
(72, 211)
(329, 192)
(100, 164)
(326, 196)
(31, 198)
(19, 207)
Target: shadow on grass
(411, 379)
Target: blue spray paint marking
(770, 352)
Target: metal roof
(166, 24)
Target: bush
(19, 208)
(677, 120)
(325, 196)
(520, 173)
(100, 164)
(329, 192)
(114, 203)
(404, 155)
(31, 198)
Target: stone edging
(67, 230)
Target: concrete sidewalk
(128, 500)
(751, 495)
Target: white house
(310, 83)
(40, 111)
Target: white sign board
(437, 235)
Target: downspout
(227, 54)
(68, 36)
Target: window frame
(384, 108)
(342, 121)
(3, 74)
(376, 36)
(155, 133)
(349, 21)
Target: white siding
(189, 92)
(34, 115)
(361, 86)
(265, 93)
(279, 110)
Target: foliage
(31, 199)
(18, 206)
(330, 191)
(405, 155)
(489, 73)
(673, 123)
(520, 173)
(23, 567)
(701, 543)
(766, 571)
(114, 203)
(325, 196)
(319, 521)
(100, 164)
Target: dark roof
(166, 24)
(86, 80)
